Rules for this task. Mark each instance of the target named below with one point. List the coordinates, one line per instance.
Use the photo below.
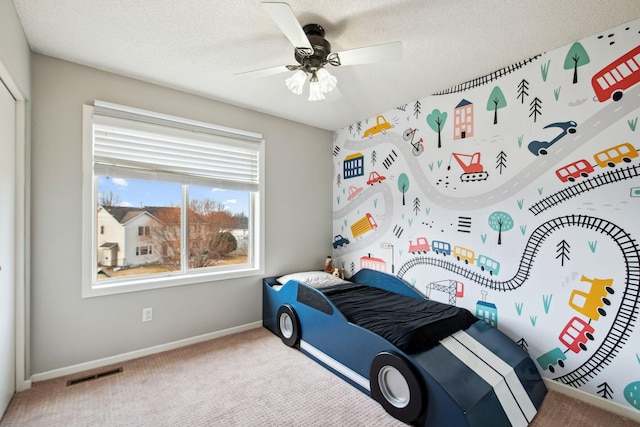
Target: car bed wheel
(288, 326)
(395, 386)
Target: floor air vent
(95, 376)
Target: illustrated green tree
(496, 101)
(436, 121)
(576, 57)
(500, 221)
(403, 185)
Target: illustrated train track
(627, 312)
(608, 177)
(488, 78)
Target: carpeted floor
(247, 379)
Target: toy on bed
(427, 363)
(329, 268)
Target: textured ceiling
(199, 46)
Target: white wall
(68, 330)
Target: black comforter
(410, 324)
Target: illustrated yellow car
(382, 125)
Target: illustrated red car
(353, 192)
(375, 177)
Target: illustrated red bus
(615, 78)
(572, 171)
(576, 334)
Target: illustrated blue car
(473, 377)
(542, 147)
(338, 241)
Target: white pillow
(317, 279)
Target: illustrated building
(373, 263)
(353, 166)
(463, 120)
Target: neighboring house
(125, 236)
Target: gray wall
(66, 329)
(14, 49)
(15, 57)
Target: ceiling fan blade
(284, 18)
(265, 72)
(387, 52)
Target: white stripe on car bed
(503, 368)
(484, 369)
(335, 365)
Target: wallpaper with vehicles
(517, 196)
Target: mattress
(410, 324)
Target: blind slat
(140, 145)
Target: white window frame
(91, 287)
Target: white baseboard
(42, 376)
(607, 405)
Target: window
(144, 250)
(189, 188)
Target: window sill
(113, 287)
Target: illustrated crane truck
(470, 164)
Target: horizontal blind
(145, 145)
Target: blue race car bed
(427, 363)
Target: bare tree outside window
(210, 239)
(109, 199)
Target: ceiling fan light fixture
(312, 52)
(315, 91)
(295, 83)
(328, 82)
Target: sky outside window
(138, 193)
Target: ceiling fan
(312, 53)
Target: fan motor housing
(321, 48)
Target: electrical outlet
(147, 314)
